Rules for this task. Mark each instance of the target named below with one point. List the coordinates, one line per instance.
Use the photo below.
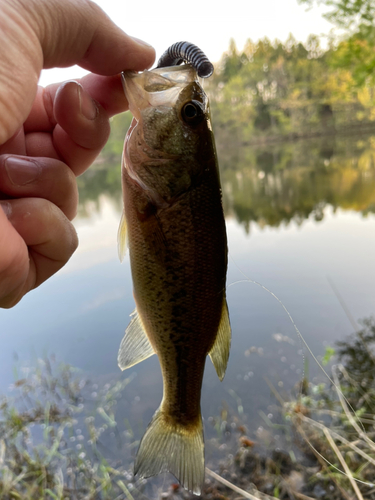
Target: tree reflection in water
(268, 185)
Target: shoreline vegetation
(273, 91)
(57, 427)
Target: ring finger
(48, 178)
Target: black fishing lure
(189, 53)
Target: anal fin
(135, 346)
(219, 353)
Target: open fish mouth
(158, 87)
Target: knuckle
(69, 194)
(64, 237)
(48, 102)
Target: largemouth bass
(174, 225)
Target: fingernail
(7, 208)
(141, 42)
(21, 171)
(87, 105)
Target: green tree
(348, 14)
(232, 61)
(356, 49)
(275, 88)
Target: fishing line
(371, 485)
(301, 338)
(299, 334)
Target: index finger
(106, 90)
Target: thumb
(37, 34)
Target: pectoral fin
(219, 353)
(122, 242)
(135, 346)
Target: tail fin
(169, 447)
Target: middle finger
(72, 126)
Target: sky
(207, 23)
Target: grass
(50, 436)
(337, 422)
(57, 427)
(328, 448)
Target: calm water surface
(296, 215)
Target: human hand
(48, 136)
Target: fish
(173, 225)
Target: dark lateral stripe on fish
(187, 52)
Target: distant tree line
(273, 90)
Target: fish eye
(192, 112)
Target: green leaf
(330, 351)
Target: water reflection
(275, 184)
(292, 182)
(295, 214)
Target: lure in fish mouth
(174, 226)
(189, 53)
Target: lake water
(300, 217)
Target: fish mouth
(158, 87)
